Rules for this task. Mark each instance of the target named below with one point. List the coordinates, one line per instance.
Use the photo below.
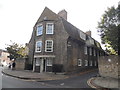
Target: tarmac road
(73, 82)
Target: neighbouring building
(56, 43)
(4, 60)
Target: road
(73, 82)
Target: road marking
(62, 84)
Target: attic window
(91, 40)
(82, 35)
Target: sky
(17, 17)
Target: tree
(108, 28)
(16, 51)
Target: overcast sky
(17, 17)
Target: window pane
(86, 62)
(49, 46)
(49, 28)
(85, 49)
(49, 62)
(39, 30)
(39, 46)
(79, 62)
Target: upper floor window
(39, 30)
(38, 46)
(94, 52)
(90, 51)
(82, 35)
(91, 40)
(85, 50)
(79, 62)
(49, 46)
(49, 28)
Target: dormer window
(49, 28)
(82, 35)
(39, 30)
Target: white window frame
(37, 62)
(95, 63)
(86, 62)
(37, 47)
(79, 62)
(94, 52)
(37, 30)
(46, 46)
(82, 35)
(47, 28)
(85, 50)
(49, 62)
(90, 51)
(91, 63)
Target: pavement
(30, 75)
(104, 82)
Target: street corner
(91, 83)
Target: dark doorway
(44, 65)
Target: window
(95, 63)
(91, 40)
(86, 62)
(85, 50)
(39, 30)
(49, 46)
(38, 62)
(90, 63)
(90, 49)
(38, 46)
(82, 35)
(94, 52)
(79, 62)
(49, 28)
(49, 62)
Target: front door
(44, 65)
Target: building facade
(4, 60)
(57, 44)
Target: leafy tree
(109, 28)
(16, 51)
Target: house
(4, 60)
(57, 44)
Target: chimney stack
(63, 14)
(88, 33)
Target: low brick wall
(109, 66)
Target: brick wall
(20, 64)
(109, 66)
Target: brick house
(4, 60)
(57, 43)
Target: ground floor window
(49, 62)
(37, 62)
(90, 63)
(79, 62)
(86, 62)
